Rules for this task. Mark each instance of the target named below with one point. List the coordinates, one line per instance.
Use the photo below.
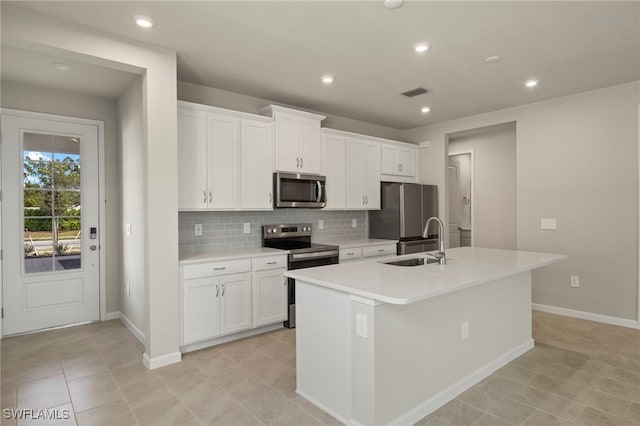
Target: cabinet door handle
(297, 162)
(205, 196)
(380, 250)
(301, 162)
(217, 290)
(222, 294)
(400, 166)
(271, 263)
(210, 197)
(363, 199)
(220, 269)
(366, 199)
(270, 198)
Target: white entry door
(50, 238)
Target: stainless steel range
(302, 254)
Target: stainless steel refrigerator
(404, 209)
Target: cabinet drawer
(347, 254)
(216, 268)
(385, 250)
(271, 262)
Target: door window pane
(51, 203)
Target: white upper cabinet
(222, 158)
(225, 159)
(296, 140)
(335, 170)
(363, 174)
(193, 190)
(256, 165)
(398, 160)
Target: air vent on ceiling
(415, 92)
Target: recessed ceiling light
(531, 83)
(61, 66)
(393, 4)
(492, 59)
(143, 21)
(425, 109)
(327, 79)
(421, 47)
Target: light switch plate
(247, 227)
(548, 223)
(198, 230)
(128, 229)
(321, 224)
(354, 223)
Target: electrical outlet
(247, 227)
(575, 281)
(361, 325)
(354, 223)
(464, 330)
(198, 230)
(321, 224)
(548, 223)
(128, 228)
(128, 288)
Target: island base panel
(413, 359)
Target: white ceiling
(36, 68)
(279, 50)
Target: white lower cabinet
(235, 303)
(200, 309)
(359, 253)
(216, 299)
(269, 297)
(227, 297)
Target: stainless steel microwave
(299, 190)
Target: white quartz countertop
(466, 267)
(216, 256)
(362, 243)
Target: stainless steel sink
(414, 261)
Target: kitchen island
(385, 344)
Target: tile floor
(579, 373)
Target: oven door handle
(313, 255)
(319, 191)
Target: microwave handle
(319, 191)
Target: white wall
(158, 67)
(132, 148)
(221, 98)
(29, 98)
(495, 185)
(577, 161)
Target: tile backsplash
(224, 230)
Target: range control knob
(274, 230)
(268, 230)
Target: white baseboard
(622, 322)
(161, 361)
(111, 316)
(327, 410)
(438, 400)
(138, 334)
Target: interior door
(452, 199)
(50, 223)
